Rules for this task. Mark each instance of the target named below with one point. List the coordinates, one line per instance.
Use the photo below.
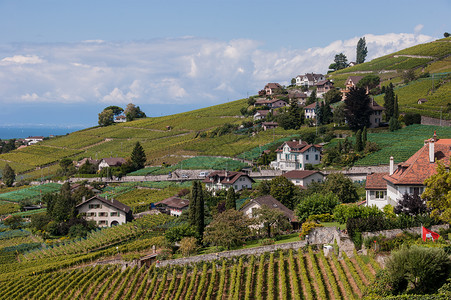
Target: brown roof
(114, 161)
(300, 174)
(376, 181)
(270, 124)
(417, 168)
(273, 85)
(114, 203)
(354, 79)
(225, 177)
(323, 82)
(375, 106)
(174, 202)
(271, 202)
(295, 146)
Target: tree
(319, 113)
(188, 246)
(364, 136)
(389, 101)
(316, 204)
(446, 34)
(230, 199)
(283, 190)
(339, 115)
(340, 62)
(369, 82)
(342, 187)
(196, 209)
(133, 112)
(358, 141)
(65, 163)
(106, 117)
(14, 222)
(333, 96)
(138, 157)
(411, 204)
(116, 109)
(437, 193)
(176, 234)
(273, 220)
(412, 118)
(8, 175)
(393, 124)
(295, 114)
(312, 98)
(362, 51)
(357, 109)
(408, 76)
(293, 81)
(81, 193)
(228, 229)
(326, 113)
(418, 270)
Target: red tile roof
(417, 168)
(376, 181)
(300, 174)
(174, 202)
(116, 204)
(295, 146)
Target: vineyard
(33, 192)
(282, 275)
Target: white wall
(104, 208)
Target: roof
(375, 106)
(270, 124)
(417, 168)
(422, 100)
(273, 85)
(323, 82)
(114, 161)
(297, 146)
(225, 177)
(376, 181)
(174, 202)
(354, 79)
(34, 138)
(300, 174)
(273, 203)
(114, 203)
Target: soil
(351, 280)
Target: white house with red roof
(303, 178)
(271, 88)
(173, 206)
(294, 155)
(409, 176)
(31, 140)
(223, 180)
(309, 79)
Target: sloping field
(33, 192)
(283, 275)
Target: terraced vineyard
(286, 275)
(31, 192)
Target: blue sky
(62, 62)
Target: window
(316, 156)
(103, 214)
(102, 222)
(91, 206)
(306, 157)
(380, 194)
(416, 190)
(91, 214)
(114, 214)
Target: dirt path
(337, 279)
(351, 280)
(365, 280)
(311, 275)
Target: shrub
(307, 227)
(316, 204)
(343, 212)
(321, 218)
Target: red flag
(428, 234)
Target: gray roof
(272, 203)
(114, 203)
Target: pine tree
(319, 113)
(389, 101)
(327, 113)
(357, 109)
(312, 98)
(8, 175)
(138, 157)
(362, 51)
(294, 113)
(193, 204)
(230, 199)
(396, 108)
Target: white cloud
(418, 28)
(167, 71)
(21, 59)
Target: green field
(34, 192)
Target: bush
(316, 204)
(411, 118)
(418, 270)
(321, 218)
(307, 227)
(344, 212)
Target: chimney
(392, 166)
(300, 141)
(370, 171)
(83, 199)
(432, 149)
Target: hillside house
(422, 100)
(80, 163)
(120, 119)
(104, 212)
(298, 96)
(269, 201)
(269, 125)
(303, 178)
(271, 104)
(262, 114)
(310, 110)
(309, 79)
(111, 162)
(294, 155)
(31, 140)
(173, 206)
(323, 87)
(408, 177)
(350, 83)
(271, 88)
(376, 114)
(223, 180)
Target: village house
(376, 114)
(303, 178)
(298, 96)
(94, 162)
(111, 162)
(323, 87)
(271, 104)
(223, 180)
(407, 177)
(262, 114)
(271, 88)
(350, 83)
(31, 140)
(309, 79)
(294, 155)
(310, 110)
(249, 209)
(120, 119)
(104, 212)
(173, 206)
(269, 125)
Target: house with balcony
(173, 206)
(223, 180)
(309, 79)
(294, 155)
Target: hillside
(431, 63)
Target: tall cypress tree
(319, 113)
(193, 204)
(362, 51)
(199, 211)
(230, 199)
(364, 136)
(389, 101)
(358, 141)
(396, 108)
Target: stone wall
(433, 121)
(394, 232)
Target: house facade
(309, 79)
(31, 140)
(223, 180)
(250, 208)
(269, 125)
(111, 162)
(350, 83)
(409, 176)
(303, 178)
(104, 212)
(271, 88)
(376, 114)
(120, 119)
(309, 111)
(323, 87)
(294, 155)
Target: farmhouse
(173, 206)
(309, 79)
(376, 114)
(31, 140)
(104, 212)
(111, 162)
(223, 180)
(323, 87)
(408, 177)
(350, 83)
(294, 155)
(120, 119)
(271, 88)
(303, 178)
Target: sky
(62, 62)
